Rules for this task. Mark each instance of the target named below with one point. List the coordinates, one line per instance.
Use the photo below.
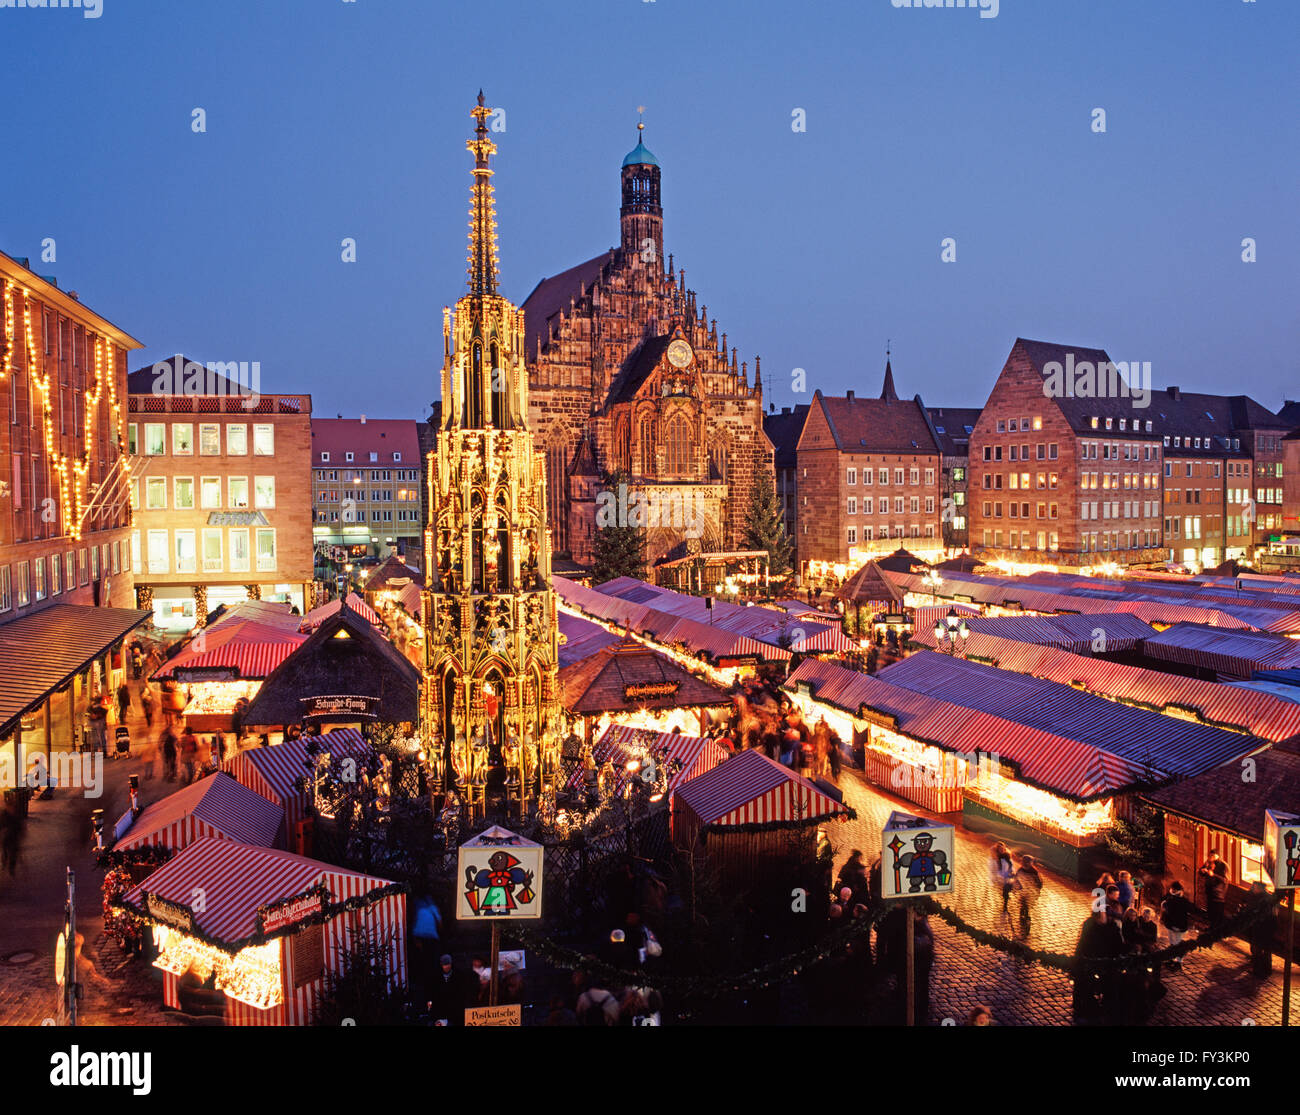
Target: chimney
(363, 420)
(1174, 393)
(849, 395)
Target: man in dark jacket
(1099, 939)
(1214, 872)
(1176, 914)
(450, 993)
(1261, 915)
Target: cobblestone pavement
(1215, 987)
(31, 904)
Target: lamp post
(950, 632)
(932, 581)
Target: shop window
(263, 440)
(237, 439)
(182, 439)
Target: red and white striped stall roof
(236, 880)
(317, 616)
(273, 772)
(253, 649)
(831, 639)
(1235, 653)
(217, 806)
(621, 743)
(750, 788)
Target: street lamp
(932, 581)
(951, 631)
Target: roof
(552, 295)
(900, 561)
(640, 156)
(783, 432)
(317, 616)
(46, 288)
(392, 568)
(1222, 799)
(1236, 653)
(1211, 418)
(869, 584)
(953, 426)
(620, 744)
(381, 436)
(280, 766)
(637, 367)
(887, 392)
(580, 638)
(182, 370)
(877, 426)
(602, 682)
(750, 788)
(1289, 415)
(42, 651)
(220, 805)
(237, 880)
(249, 647)
(1108, 633)
(1078, 409)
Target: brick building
(1059, 478)
(952, 429)
(223, 501)
(627, 372)
(868, 482)
(66, 595)
(783, 432)
(1289, 416)
(368, 486)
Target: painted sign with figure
(1282, 848)
(917, 856)
(501, 876)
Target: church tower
(491, 691)
(641, 216)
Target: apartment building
(223, 500)
(953, 427)
(783, 430)
(368, 490)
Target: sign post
(1282, 865)
(502, 875)
(917, 858)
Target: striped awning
(215, 806)
(1235, 653)
(41, 652)
(317, 616)
(251, 648)
(620, 744)
(274, 772)
(831, 639)
(237, 880)
(750, 788)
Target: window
(265, 550)
(237, 439)
(157, 551)
(374, 456)
(155, 493)
(131, 439)
(1038, 421)
(914, 476)
(155, 439)
(929, 504)
(209, 439)
(678, 443)
(239, 551)
(1002, 426)
(397, 456)
(117, 556)
(325, 456)
(183, 493)
(898, 477)
(898, 505)
(853, 506)
(263, 440)
(237, 492)
(210, 493)
(185, 562)
(914, 505)
(1013, 455)
(988, 452)
(851, 477)
(134, 489)
(70, 570)
(347, 456)
(6, 600)
(182, 439)
(867, 476)
(56, 575)
(868, 506)
(1014, 481)
(22, 593)
(211, 550)
(853, 535)
(264, 491)
(958, 475)
(883, 478)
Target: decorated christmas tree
(619, 547)
(765, 527)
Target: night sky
(329, 119)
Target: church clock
(680, 354)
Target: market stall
(871, 590)
(217, 806)
(270, 927)
(317, 616)
(676, 757)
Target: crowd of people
(763, 717)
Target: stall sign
(507, 1014)
(169, 912)
(875, 716)
(895, 617)
(917, 856)
(650, 689)
(343, 704)
(501, 877)
(207, 673)
(290, 911)
(738, 660)
(1282, 848)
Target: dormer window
(397, 456)
(347, 456)
(1148, 425)
(1109, 423)
(1094, 422)
(325, 456)
(1123, 423)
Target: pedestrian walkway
(1214, 988)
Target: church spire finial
(887, 392)
(482, 211)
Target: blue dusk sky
(329, 119)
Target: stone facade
(627, 372)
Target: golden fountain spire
(482, 210)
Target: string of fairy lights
(72, 471)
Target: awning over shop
(1235, 653)
(249, 648)
(277, 772)
(621, 744)
(217, 806)
(750, 788)
(581, 638)
(317, 616)
(628, 676)
(42, 652)
(1221, 799)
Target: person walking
(147, 700)
(1175, 915)
(169, 753)
(11, 835)
(1002, 874)
(1126, 891)
(123, 702)
(1214, 872)
(1028, 886)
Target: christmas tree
(619, 548)
(765, 526)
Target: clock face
(679, 353)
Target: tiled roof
(877, 426)
(783, 432)
(1289, 415)
(599, 683)
(552, 295)
(637, 367)
(953, 426)
(1223, 799)
(141, 381)
(383, 436)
